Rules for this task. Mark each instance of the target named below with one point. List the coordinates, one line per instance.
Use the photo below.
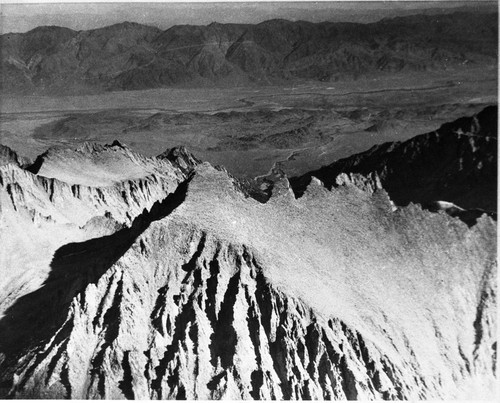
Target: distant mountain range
(130, 56)
(164, 15)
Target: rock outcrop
(206, 293)
(9, 156)
(181, 158)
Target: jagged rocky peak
(281, 189)
(9, 156)
(211, 294)
(369, 183)
(92, 147)
(180, 157)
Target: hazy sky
(89, 15)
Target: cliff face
(130, 56)
(211, 294)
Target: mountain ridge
(131, 56)
(173, 282)
(219, 292)
(457, 163)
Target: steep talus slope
(131, 56)
(212, 294)
(457, 163)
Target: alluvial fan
(172, 283)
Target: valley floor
(250, 130)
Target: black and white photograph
(237, 200)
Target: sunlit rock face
(169, 282)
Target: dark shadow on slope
(35, 167)
(36, 316)
(456, 163)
